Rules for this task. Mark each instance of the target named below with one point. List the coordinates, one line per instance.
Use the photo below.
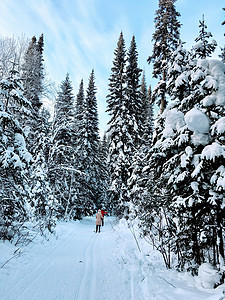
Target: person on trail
(103, 214)
(98, 221)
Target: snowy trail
(83, 265)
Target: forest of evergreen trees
(166, 172)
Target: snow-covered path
(83, 265)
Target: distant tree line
(51, 168)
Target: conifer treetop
(204, 48)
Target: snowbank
(208, 276)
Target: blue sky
(80, 35)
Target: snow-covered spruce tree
(137, 181)
(153, 214)
(80, 153)
(91, 163)
(137, 98)
(203, 48)
(14, 157)
(119, 132)
(154, 217)
(61, 159)
(147, 115)
(33, 76)
(144, 101)
(37, 131)
(178, 72)
(207, 83)
(165, 37)
(134, 104)
(42, 201)
(187, 161)
(33, 72)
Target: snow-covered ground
(78, 264)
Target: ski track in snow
(26, 287)
(84, 265)
(86, 290)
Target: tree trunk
(220, 234)
(194, 235)
(69, 197)
(214, 246)
(163, 99)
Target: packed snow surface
(79, 264)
